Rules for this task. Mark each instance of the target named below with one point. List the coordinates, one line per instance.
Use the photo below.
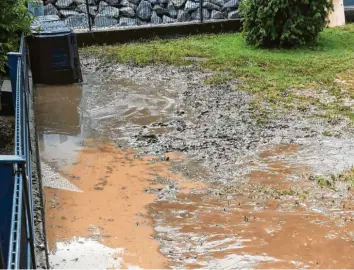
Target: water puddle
(82, 253)
(96, 192)
(111, 208)
(272, 166)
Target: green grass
(323, 182)
(273, 76)
(327, 133)
(329, 182)
(346, 176)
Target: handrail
(20, 251)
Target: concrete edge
(114, 36)
(41, 247)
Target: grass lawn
(274, 76)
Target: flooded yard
(152, 168)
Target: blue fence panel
(17, 234)
(6, 196)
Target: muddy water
(109, 207)
(96, 192)
(197, 232)
(263, 223)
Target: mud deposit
(151, 168)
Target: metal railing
(130, 13)
(16, 214)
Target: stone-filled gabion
(139, 12)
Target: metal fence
(16, 211)
(127, 13)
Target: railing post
(88, 14)
(12, 61)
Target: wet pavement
(137, 176)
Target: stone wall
(139, 12)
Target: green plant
(284, 23)
(327, 133)
(14, 20)
(324, 183)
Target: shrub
(14, 20)
(284, 23)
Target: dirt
(157, 169)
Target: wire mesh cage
(132, 13)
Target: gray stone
(67, 13)
(219, 3)
(127, 11)
(50, 10)
(164, 2)
(210, 6)
(160, 10)
(128, 21)
(104, 21)
(112, 2)
(141, 22)
(191, 6)
(109, 11)
(135, 2)
(77, 21)
(218, 15)
(178, 3)
(166, 19)
(82, 9)
(80, 2)
(172, 10)
(233, 15)
(144, 10)
(62, 4)
(102, 4)
(183, 16)
(155, 19)
(50, 2)
(196, 14)
(230, 5)
(126, 3)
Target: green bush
(14, 20)
(283, 23)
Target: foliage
(285, 23)
(14, 20)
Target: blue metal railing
(16, 211)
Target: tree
(284, 23)
(14, 20)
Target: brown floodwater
(112, 207)
(108, 207)
(200, 232)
